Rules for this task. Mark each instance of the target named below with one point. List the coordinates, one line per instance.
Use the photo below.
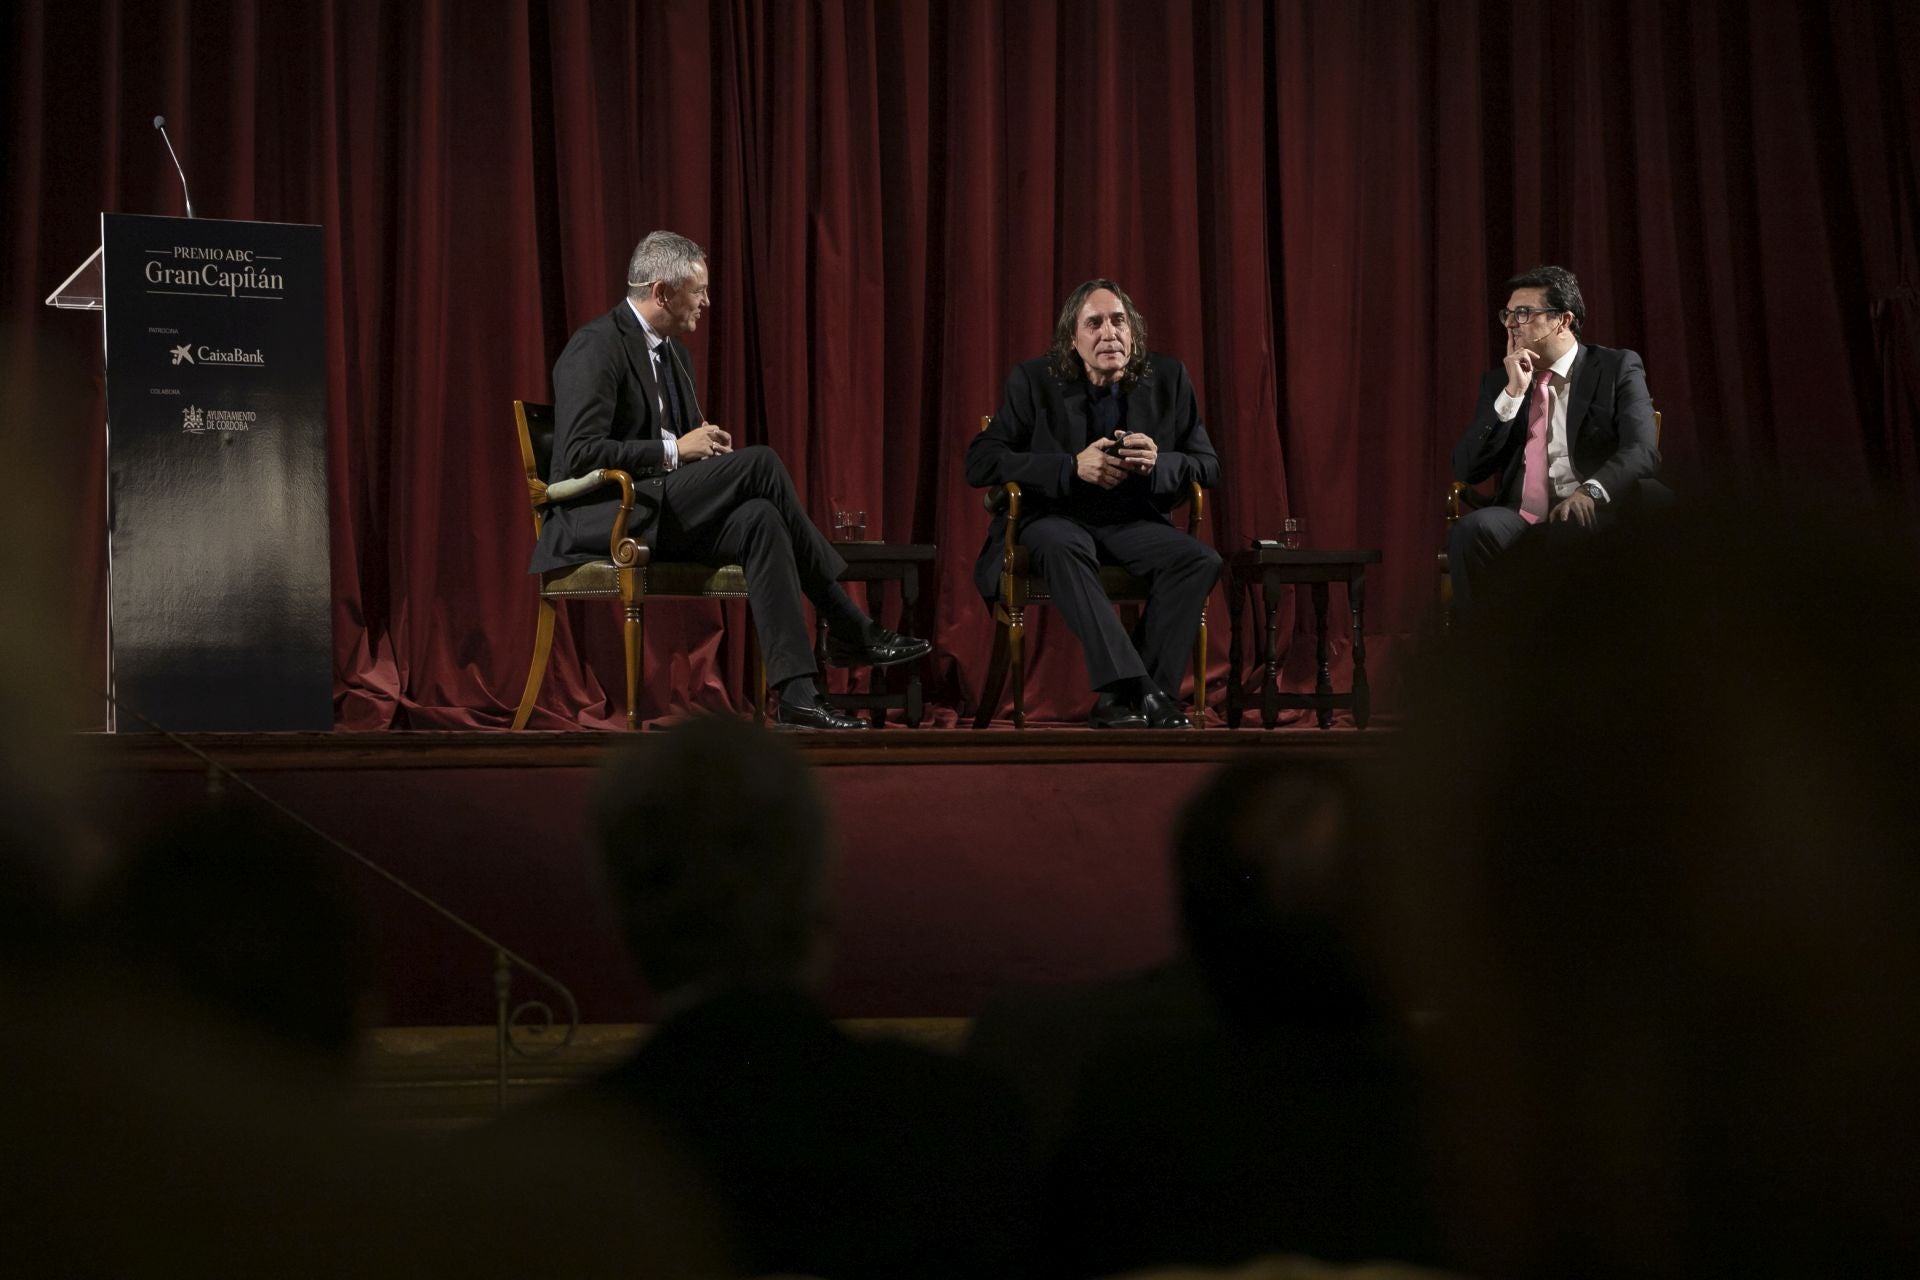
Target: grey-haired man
(624, 398)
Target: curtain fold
(1312, 202)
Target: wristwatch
(1593, 490)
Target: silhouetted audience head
(1653, 857)
(716, 845)
(248, 915)
(49, 860)
(1264, 853)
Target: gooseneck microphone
(160, 123)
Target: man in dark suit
(624, 399)
(834, 1156)
(1255, 1094)
(1568, 428)
(1104, 438)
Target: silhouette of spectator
(1651, 859)
(1248, 1098)
(248, 915)
(140, 1137)
(836, 1157)
(166, 1117)
(48, 862)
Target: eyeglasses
(1522, 315)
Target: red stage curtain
(1312, 201)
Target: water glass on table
(848, 526)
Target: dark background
(1313, 203)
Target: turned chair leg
(995, 681)
(635, 635)
(1200, 673)
(542, 646)
(758, 664)
(1017, 663)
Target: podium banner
(219, 608)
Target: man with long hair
(1104, 437)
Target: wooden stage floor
(893, 745)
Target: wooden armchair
(1462, 498)
(629, 574)
(1020, 588)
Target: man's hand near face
(704, 441)
(1519, 363)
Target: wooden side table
(1268, 569)
(874, 563)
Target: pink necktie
(1534, 502)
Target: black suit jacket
(1610, 432)
(606, 414)
(1042, 425)
(1169, 1134)
(836, 1156)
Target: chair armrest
(1012, 561)
(580, 484)
(626, 552)
(1463, 497)
(1197, 507)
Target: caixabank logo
(233, 357)
(195, 421)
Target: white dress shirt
(1560, 473)
(655, 345)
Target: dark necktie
(670, 384)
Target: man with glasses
(624, 399)
(1567, 426)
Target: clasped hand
(704, 441)
(1111, 459)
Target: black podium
(219, 600)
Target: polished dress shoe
(813, 715)
(1162, 712)
(880, 648)
(1111, 711)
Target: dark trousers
(740, 508)
(1479, 539)
(1180, 571)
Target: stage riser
(954, 879)
(969, 860)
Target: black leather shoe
(813, 715)
(1162, 712)
(1110, 712)
(885, 649)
